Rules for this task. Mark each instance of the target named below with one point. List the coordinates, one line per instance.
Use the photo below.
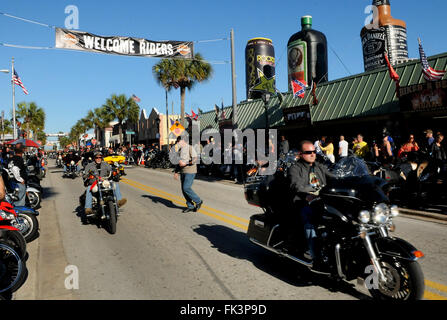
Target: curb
(435, 217)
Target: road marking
(202, 210)
(433, 296)
(436, 286)
(427, 294)
(182, 199)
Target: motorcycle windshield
(349, 167)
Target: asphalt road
(159, 252)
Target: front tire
(33, 199)
(405, 281)
(29, 226)
(112, 217)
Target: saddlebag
(260, 228)
(256, 192)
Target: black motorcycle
(417, 181)
(104, 203)
(72, 170)
(353, 219)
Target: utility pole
(14, 134)
(233, 78)
(167, 121)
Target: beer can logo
(184, 50)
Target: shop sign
(299, 114)
(424, 96)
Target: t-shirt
(361, 149)
(343, 145)
(313, 180)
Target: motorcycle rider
(71, 156)
(18, 169)
(102, 169)
(307, 177)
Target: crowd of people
(385, 151)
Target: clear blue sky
(68, 83)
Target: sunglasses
(309, 152)
(98, 157)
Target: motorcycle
(104, 203)
(116, 162)
(13, 252)
(33, 196)
(416, 180)
(72, 170)
(59, 162)
(14, 272)
(353, 219)
(160, 160)
(23, 219)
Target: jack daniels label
(392, 39)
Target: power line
(27, 20)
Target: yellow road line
(436, 286)
(433, 296)
(182, 199)
(243, 227)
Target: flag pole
(14, 134)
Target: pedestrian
(360, 148)
(318, 143)
(283, 146)
(343, 147)
(428, 141)
(438, 152)
(410, 146)
(187, 169)
(329, 150)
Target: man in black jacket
(307, 177)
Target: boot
(121, 202)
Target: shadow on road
(167, 203)
(237, 245)
(48, 192)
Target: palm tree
(100, 118)
(32, 116)
(123, 109)
(182, 73)
(7, 128)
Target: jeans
(187, 180)
(22, 195)
(309, 229)
(88, 194)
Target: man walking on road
(187, 169)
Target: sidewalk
(47, 262)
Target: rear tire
(33, 199)
(405, 281)
(112, 218)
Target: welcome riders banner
(83, 41)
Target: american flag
(135, 98)
(17, 81)
(299, 88)
(430, 74)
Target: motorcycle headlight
(394, 210)
(380, 213)
(95, 189)
(106, 184)
(72, 162)
(364, 216)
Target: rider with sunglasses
(102, 169)
(307, 177)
